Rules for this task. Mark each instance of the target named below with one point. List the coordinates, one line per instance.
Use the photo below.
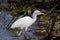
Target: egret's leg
(26, 28)
(20, 33)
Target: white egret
(25, 22)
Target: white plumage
(25, 22)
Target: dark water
(5, 34)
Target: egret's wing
(22, 22)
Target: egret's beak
(41, 13)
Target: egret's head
(37, 12)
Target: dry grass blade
(52, 9)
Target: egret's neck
(34, 16)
